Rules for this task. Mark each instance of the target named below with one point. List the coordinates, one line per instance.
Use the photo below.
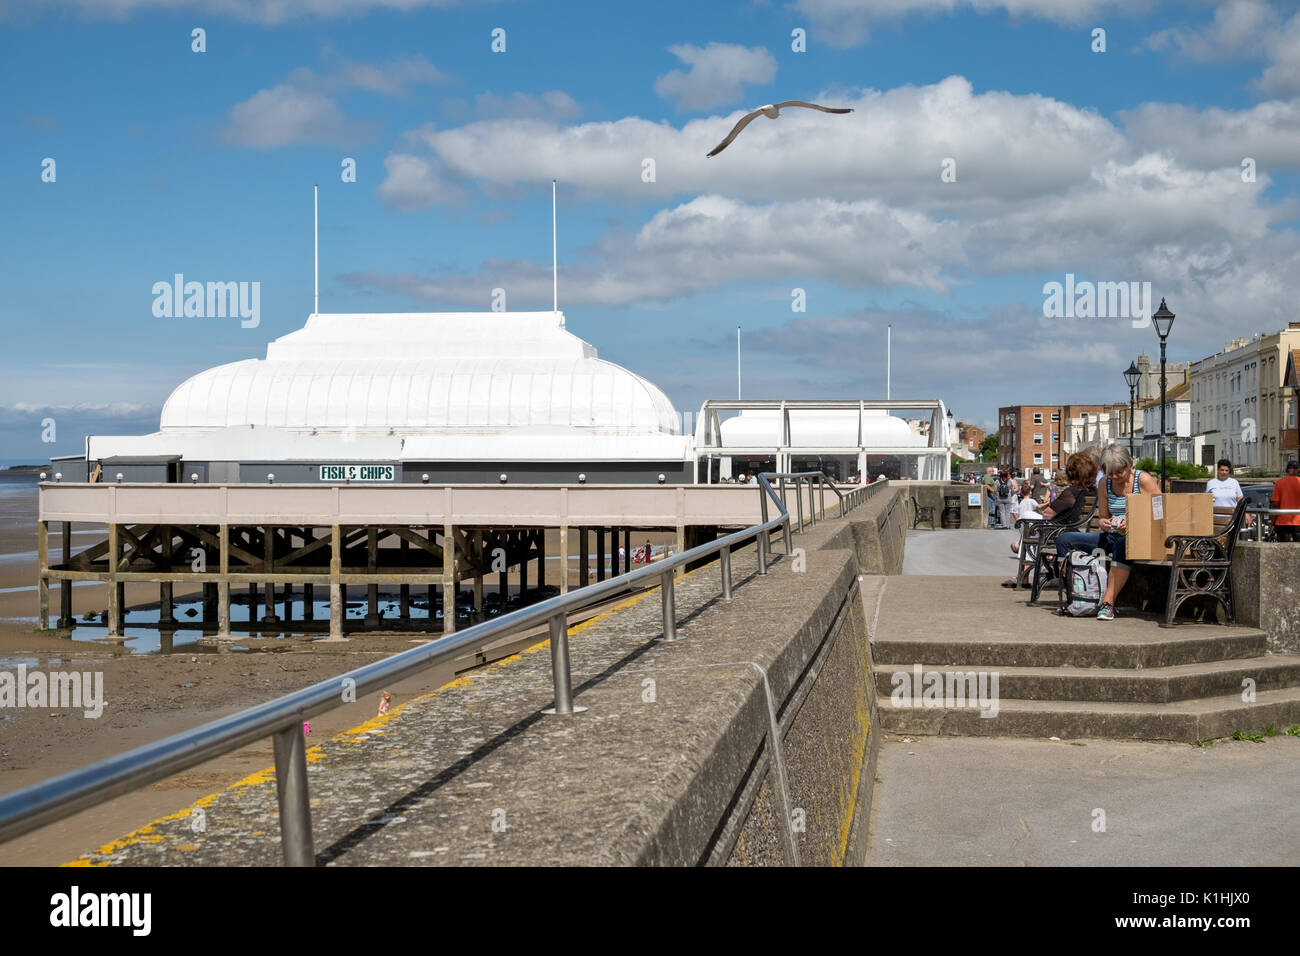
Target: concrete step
(1187, 721)
(1153, 685)
(1054, 645)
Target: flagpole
(889, 358)
(555, 268)
(315, 239)
(737, 363)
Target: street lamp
(1131, 375)
(1164, 322)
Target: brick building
(1030, 436)
(970, 437)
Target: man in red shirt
(1286, 494)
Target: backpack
(1003, 489)
(1085, 583)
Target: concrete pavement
(962, 801)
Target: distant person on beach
(649, 550)
(384, 702)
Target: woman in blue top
(1121, 480)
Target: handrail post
(764, 542)
(290, 746)
(789, 541)
(725, 556)
(821, 494)
(670, 606)
(560, 677)
(798, 500)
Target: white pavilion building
(457, 396)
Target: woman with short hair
(1121, 480)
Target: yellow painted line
(148, 834)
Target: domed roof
(415, 372)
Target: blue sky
(1114, 166)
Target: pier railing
(282, 719)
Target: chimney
(1293, 325)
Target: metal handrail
(281, 719)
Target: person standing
(1005, 489)
(1286, 494)
(1038, 484)
(1226, 490)
(990, 480)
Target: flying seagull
(771, 111)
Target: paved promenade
(1007, 801)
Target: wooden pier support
(337, 596)
(404, 592)
(43, 582)
(372, 565)
(268, 537)
(114, 589)
(448, 579)
(65, 586)
(166, 607)
(223, 584)
(583, 561)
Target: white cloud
(553, 104)
(717, 76)
(412, 183)
(1215, 138)
(268, 12)
(31, 412)
(710, 242)
(1249, 29)
(891, 148)
(302, 109)
(842, 23)
(394, 78)
(1236, 30)
(284, 115)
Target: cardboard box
(1152, 518)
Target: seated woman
(1067, 506)
(1121, 480)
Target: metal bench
(1044, 545)
(1202, 564)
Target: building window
(1038, 458)
(1038, 438)
(1038, 418)
(1056, 416)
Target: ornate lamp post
(1164, 322)
(1131, 376)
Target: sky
(996, 146)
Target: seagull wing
(811, 106)
(735, 130)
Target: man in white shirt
(1227, 492)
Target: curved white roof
(818, 428)
(414, 372)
